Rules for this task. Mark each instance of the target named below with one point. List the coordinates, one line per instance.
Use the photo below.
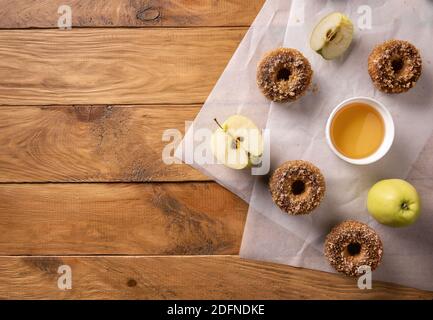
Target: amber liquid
(357, 130)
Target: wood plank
(113, 66)
(146, 219)
(91, 143)
(217, 277)
(129, 13)
(105, 144)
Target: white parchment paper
(297, 132)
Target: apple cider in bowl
(357, 130)
(360, 130)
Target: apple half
(237, 143)
(332, 35)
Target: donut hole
(353, 249)
(298, 187)
(283, 74)
(397, 64)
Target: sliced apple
(227, 150)
(237, 143)
(332, 35)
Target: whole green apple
(394, 202)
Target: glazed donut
(395, 66)
(352, 244)
(297, 187)
(284, 74)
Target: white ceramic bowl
(387, 140)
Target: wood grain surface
(107, 143)
(158, 219)
(92, 143)
(129, 13)
(113, 66)
(202, 277)
(82, 113)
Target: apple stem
(226, 132)
(218, 123)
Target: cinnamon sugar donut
(297, 187)
(395, 66)
(352, 244)
(284, 74)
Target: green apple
(394, 202)
(332, 35)
(237, 143)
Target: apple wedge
(237, 143)
(332, 35)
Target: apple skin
(394, 202)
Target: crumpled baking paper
(297, 131)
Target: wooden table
(82, 181)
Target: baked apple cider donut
(284, 75)
(353, 244)
(395, 66)
(297, 187)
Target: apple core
(237, 142)
(330, 35)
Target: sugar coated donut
(284, 75)
(353, 244)
(395, 66)
(297, 187)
